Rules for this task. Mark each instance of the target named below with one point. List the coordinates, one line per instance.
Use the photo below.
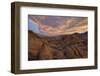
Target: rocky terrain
(60, 47)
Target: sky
(57, 25)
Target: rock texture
(59, 47)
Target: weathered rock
(45, 53)
(34, 44)
(60, 47)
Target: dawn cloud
(57, 25)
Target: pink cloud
(57, 25)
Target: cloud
(58, 25)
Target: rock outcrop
(59, 47)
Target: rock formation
(59, 47)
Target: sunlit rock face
(57, 25)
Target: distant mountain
(59, 47)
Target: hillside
(59, 47)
